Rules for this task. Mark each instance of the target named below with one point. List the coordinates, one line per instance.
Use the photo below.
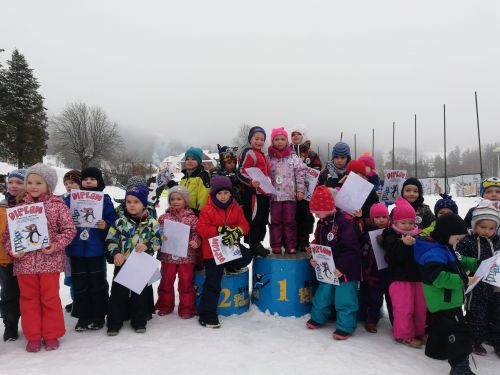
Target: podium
(283, 284)
(234, 296)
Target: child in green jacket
(444, 279)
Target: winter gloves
(231, 235)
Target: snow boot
(113, 331)
(96, 325)
(209, 323)
(371, 327)
(140, 329)
(259, 251)
(10, 334)
(479, 349)
(462, 368)
(82, 325)
(291, 251)
(311, 324)
(412, 343)
(51, 344)
(277, 251)
(341, 335)
(69, 307)
(34, 346)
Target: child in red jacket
(38, 271)
(221, 215)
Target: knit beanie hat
(73, 175)
(445, 202)
(17, 173)
(255, 129)
(378, 210)
(49, 174)
(218, 183)
(322, 200)
(278, 131)
(134, 181)
(403, 211)
(182, 191)
(356, 166)
(140, 192)
(94, 173)
(341, 149)
(488, 183)
(485, 211)
(415, 182)
(196, 153)
(446, 226)
(368, 159)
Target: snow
(252, 343)
(6, 168)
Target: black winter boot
(461, 368)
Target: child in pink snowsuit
(406, 290)
(171, 265)
(287, 177)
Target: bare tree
(241, 138)
(86, 132)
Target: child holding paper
(221, 215)
(301, 146)
(483, 244)
(87, 254)
(171, 265)
(38, 271)
(408, 302)
(287, 177)
(335, 169)
(413, 192)
(9, 288)
(255, 201)
(375, 282)
(135, 230)
(339, 233)
(445, 277)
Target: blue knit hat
(194, 152)
(445, 202)
(256, 129)
(17, 173)
(488, 183)
(341, 149)
(140, 192)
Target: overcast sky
(197, 70)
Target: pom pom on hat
(368, 159)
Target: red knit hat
(356, 166)
(379, 210)
(368, 159)
(403, 211)
(322, 201)
(278, 131)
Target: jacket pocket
(447, 295)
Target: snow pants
(479, 303)
(212, 286)
(283, 228)
(305, 221)
(90, 288)
(41, 309)
(256, 210)
(409, 309)
(449, 337)
(345, 299)
(185, 286)
(9, 297)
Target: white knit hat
(49, 174)
(485, 211)
(182, 191)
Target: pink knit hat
(379, 210)
(368, 159)
(278, 131)
(403, 211)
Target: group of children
(424, 273)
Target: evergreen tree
(18, 242)
(23, 121)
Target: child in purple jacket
(287, 177)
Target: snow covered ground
(252, 343)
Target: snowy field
(252, 343)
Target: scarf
(280, 154)
(414, 232)
(333, 171)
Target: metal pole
(328, 155)
(416, 163)
(444, 128)
(373, 142)
(393, 131)
(341, 136)
(479, 138)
